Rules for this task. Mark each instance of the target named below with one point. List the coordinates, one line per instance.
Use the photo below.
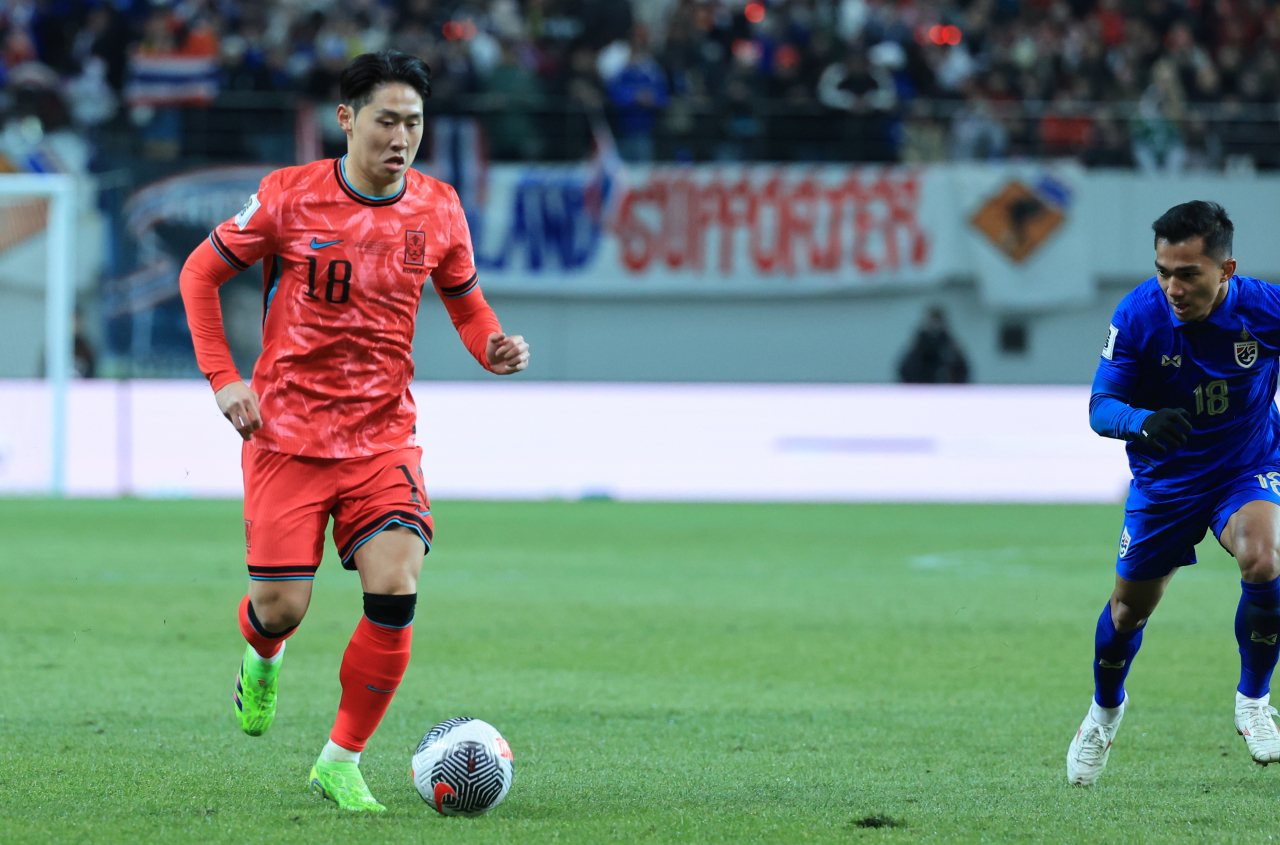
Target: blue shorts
(1158, 537)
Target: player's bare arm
(506, 355)
(239, 404)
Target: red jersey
(343, 275)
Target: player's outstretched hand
(1166, 429)
(506, 355)
(239, 403)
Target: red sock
(264, 642)
(372, 668)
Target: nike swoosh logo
(375, 689)
(317, 245)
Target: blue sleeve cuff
(1110, 414)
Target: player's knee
(393, 579)
(392, 562)
(1128, 618)
(1259, 563)
(276, 618)
(280, 612)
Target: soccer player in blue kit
(1188, 377)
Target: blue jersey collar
(1220, 316)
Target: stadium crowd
(1160, 84)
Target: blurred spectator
(1108, 146)
(1110, 23)
(34, 95)
(1066, 127)
(855, 85)
(638, 92)
(1204, 147)
(934, 356)
(583, 86)
(1184, 84)
(1157, 137)
(740, 129)
(106, 36)
(976, 133)
(957, 67)
(515, 93)
(924, 141)
(453, 76)
(866, 92)
(89, 95)
(175, 65)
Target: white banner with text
(760, 229)
(1033, 235)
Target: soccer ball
(463, 767)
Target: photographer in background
(934, 356)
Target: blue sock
(1257, 632)
(1112, 658)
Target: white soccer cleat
(1254, 723)
(1087, 756)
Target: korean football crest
(415, 247)
(1246, 350)
(1124, 541)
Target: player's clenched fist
(1166, 429)
(506, 355)
(239, 403)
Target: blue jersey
(1221, 370)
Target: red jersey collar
(365, 199)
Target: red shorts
(288, 501)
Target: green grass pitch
(664, 673)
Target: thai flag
(168, 80)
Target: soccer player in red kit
(347, 246)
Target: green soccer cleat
(255, 693)
(343, 784)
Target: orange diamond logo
(1017, 221)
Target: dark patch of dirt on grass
(878, 820)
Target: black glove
(1166, 429)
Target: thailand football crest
(415, 246)
(1246, 350)
(1124, 541)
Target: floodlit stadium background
(718, 224)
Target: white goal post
(17, 224)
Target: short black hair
(369, 70)
(1197, 218)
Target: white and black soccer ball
(463, 767)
